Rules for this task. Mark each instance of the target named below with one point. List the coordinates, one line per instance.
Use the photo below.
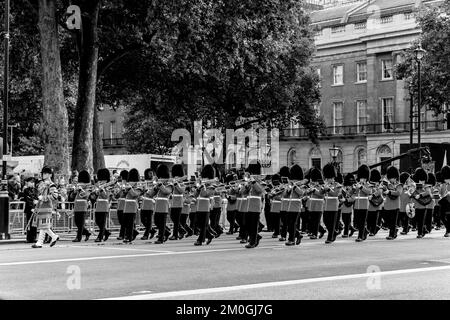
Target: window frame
(358, 72)
(383, 63)
(333, 69)
(383, 113)
(358, 124)
(334, 116)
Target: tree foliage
(435, 74)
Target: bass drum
(410, 210)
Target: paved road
(406, 268)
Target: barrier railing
(17, 219)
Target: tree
(224, 61)
(435, 25)
(55, 119)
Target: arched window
(360, 157)
(340, 160)
(384, 152)
(291, 157)
(315, 158)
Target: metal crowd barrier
(17, 219)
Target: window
(361, 72)
(113, 130)
(361, 114)
(101, 130)
(388, 113)
(317, 110)
(361, 157)
(386, 66)
(408, 15)
(338, 117)
(338, 75)
(316, 163)
(292, 157)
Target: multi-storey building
(366, 109)
(111, 131)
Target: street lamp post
(334, 152)
(419, 53)
(4, 200)
(411, 115)
(11, 144)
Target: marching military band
(297, 204)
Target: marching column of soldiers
(294, 204)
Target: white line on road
(19, 263)
(173, 294)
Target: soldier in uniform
(420, 195)
(232, 204)
(315, 201)
(81, 206)
(275, 206)
(375, 203)
(29, 196)
(295, 204)
(361, 205)
(177, 201)
(255, 206)
(437, 208)
(392, 192)
(332, 190)
(148, 207)
(348, 200)
(163, 191)
(120, 196)
(47, 198)
(405, 198)
(431, 181)
(203, 195)
(284, 173)
(131, 206)
(102, 205)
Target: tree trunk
(97, 146)
(55, 119)
(82, 152)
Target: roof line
(350, 11)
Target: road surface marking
(19, 263)
(120, 249)
(172, 294)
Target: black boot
(107, 234)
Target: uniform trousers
(146, 220)
(160, 222)
(203, 224)
(175, 215)
(390, 217)
(292, 219)
(122, 223)
(283, 224)
(231, 218)
(80, 220)
(429, 219)
(100, 220)
(252, 223)
(420, 220)
(330, 219)
(314, 224)
(360, 219)
(372, 219)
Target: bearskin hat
(375, 176)
(403, 177)
(84, 177)
(254, 168)
(392, 173)
(284, 172)
(439, 177)
(349, 180)
(47, 170)
(133, 176)
(124, 175)
(296, 172)
(177, 170)
(103, 175)
(431, 179)
(329, 171)
(316, 175)
(162, 171)
(339, 178)
(148, 174)
(208, 172)
(445, 171)
(420, 175)
(363, 172)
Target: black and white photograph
(224, 156)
